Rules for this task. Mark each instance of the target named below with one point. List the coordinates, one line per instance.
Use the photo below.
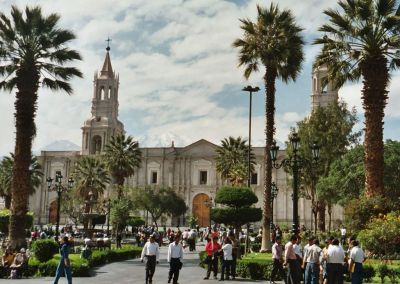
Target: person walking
(174, 257)
(212, 249)
(294, 269)
(64, 265)
(277, 258)
(151, 252)
(311, 262)
(356, 261)
(227, 259)
(235, 253)
(335, 263)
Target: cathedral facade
(190, 171)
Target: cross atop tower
(108, 43)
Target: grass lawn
(256, 256)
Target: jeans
(335, 273)
(174, 269)
(277, 268)
(212, 265)
(294, 272)
(150, 267)
(226, 270)
(312, 273)
(357, 275)
(67, 270)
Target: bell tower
(322, 96)
(104, 123)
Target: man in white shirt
(335, 263)
(151, 252)
(342, 235)
(311, 262)
(175, 256)
(356, 261)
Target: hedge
(5, 220)
(80, 267)
(245, 268)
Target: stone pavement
(132, 272)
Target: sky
(179, 74)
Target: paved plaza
(132, 271)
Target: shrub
(368, 273)
(384, 229)
(394, 274)
(44, 250)
(383, 271)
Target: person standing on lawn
(64, 265)
(213, 251)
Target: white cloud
(174, 58)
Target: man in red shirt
(212, 249)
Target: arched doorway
(200, 209)
(53, 212)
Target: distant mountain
(61, 145)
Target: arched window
(96, 145)
(109, 92)
(102, 93)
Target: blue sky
(178, 72)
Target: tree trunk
(7, 201)
(119, 183)
(25, 108)
(330, 216)
(269, 81)
(321, 215)
(374, 97)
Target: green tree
(237, 210)
(122, 156)
(33, 50)
(6, 173)
(347, 179)
(232, 160)
(362, 40)
(332, 128)
(159, 202)
(91, 178)
(120, 213)
(273, 42)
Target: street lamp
(295, 163)
(107, 205)
(59, 188)
(249, 89)
(274, 194)
(209, 204)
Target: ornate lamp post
(274, 194)
(59, 188)
(107, 205)
(249, 89)
(209, 204)
(295, 163)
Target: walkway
(132, 271)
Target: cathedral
(190, 170)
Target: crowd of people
(315, 265)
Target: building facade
(190, 171)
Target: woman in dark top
(64, 264)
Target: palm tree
(91, 178)
(275, 43)
(6, 170)
(232, 160)
(122, 156)
(362, 40)
(32, 52)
